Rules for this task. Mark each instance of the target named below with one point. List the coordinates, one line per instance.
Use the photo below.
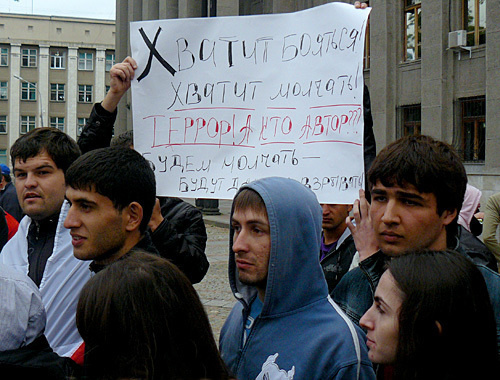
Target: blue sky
(101, 9)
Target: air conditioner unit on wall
(457, 38)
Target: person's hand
(362, 233)
(359, 4)
(121, 75)
(156, 217)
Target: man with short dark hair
(284, 324)
(42, 246)
(417, 188)
(337, 244)
(8, 195)
(109, 212)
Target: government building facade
(52, 70)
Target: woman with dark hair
(141, 318)
(432, 319)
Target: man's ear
(448, 216)
(133, 214)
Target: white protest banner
(219, 102)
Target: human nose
(390, 215)
(325, 209)
(366, 321)
(239, 242)
(71, 220)
(30, 181)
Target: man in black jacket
(177, 228)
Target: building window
(28, 58)
(412, 30)
(57, 58)
(4, 57)
(473, 129)
(3, 156)
(28, 91)
(110, 61)
(4, 90)
(85, 61)
(410, 117)
(366, 56)
(3, 124)
(474, 12)
(85, 93)
(57, 92)
(57, 122)
(81, 124)
(27, 124)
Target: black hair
(7, 177)
(444, 287)
(430, 165)
(61, 148)
(141, 318)
(124, 139)
(120, 174)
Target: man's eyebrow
(46, 166)
(80, 200)
(252, 221)
(409, 195)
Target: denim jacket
(354, 294)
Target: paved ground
(214, 290)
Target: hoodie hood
(295, 278)
(472, 198)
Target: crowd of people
(96, 271)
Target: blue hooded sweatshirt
(300, 333)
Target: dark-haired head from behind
(141, 318)
(58, 145)
(430, 165)
(120, 174)
(446, 323)
(124, 139)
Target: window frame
(4, 89)
(56, 90)
(84, 60)
(110, 62)
(57, 56)
(476, 153)
(29, 123)
(407, 124)
(477, 33)
(366, 52)
(57, 121)
(4, 57)
(27, 53)
(416, 7)
(28, 89)
(3, 124)
(84, 90)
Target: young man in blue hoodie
(285, 325)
